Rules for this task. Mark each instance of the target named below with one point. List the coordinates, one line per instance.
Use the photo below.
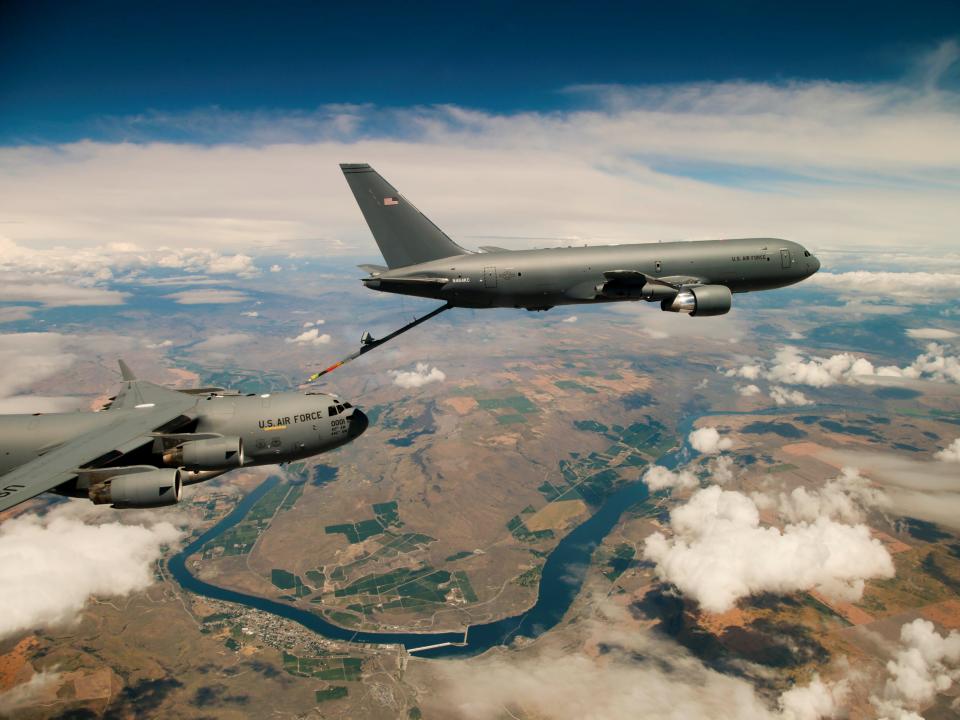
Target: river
(560, 583)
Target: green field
(324, 668)
(574, 385)
(421, 589)
(286, 580)
(520, 531)
(240, 539)
(387, 515)
(458, 556)
(332, 693)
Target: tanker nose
(358, 424)
(813, 264)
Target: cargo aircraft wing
(139, 409)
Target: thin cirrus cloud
(207, 297)
(812, 160)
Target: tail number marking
(10, 490)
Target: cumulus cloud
(661, 478)
(419, 376)
(841, 498)
(27, 359)
(250, 314)
(570, 319)
(637, 675)
(275, 268)
(783, 396)
(207, 297)
(926, 663)
(51, 565)
(790, 367)
(923, 489)
(951, 453)
(720, 553)
(310, 337)
(748, 390)
(707, 440)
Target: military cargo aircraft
(149, 441)
(696, 277)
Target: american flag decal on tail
(391, 201)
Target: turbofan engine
(222, 453)
(703, 300)
(139, 489)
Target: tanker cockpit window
(347, 405)
(339, 409)
(331, 411)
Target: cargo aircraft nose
(811, 262)
(358, 424)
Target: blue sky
(65, 66)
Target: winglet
(126, 372)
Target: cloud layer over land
(812, 160)
(50, 565)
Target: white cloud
(15, 288)
(720, 553)
(162, 344)
(27, 358)
(930, 333)
(791, 367)
(925, 664)
(40, 686)
(748, 390)
(275, 268)
(637, 675)
(841, 498)
(707, 440)
(951, 453)
(830, 159)
(417, 377)
(747, 372)
(783, 396)
(660, 478)
(208, 297)
(721, 469)
(51, 565)
(904, 287)
(310, 337)
(922, 489)
(570, 319)
(223, 341)
(250, 313)
(71, 276)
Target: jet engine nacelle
(222, 453)
(703, 300)
(147, 489)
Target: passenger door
(785, 259)
(490, 277)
